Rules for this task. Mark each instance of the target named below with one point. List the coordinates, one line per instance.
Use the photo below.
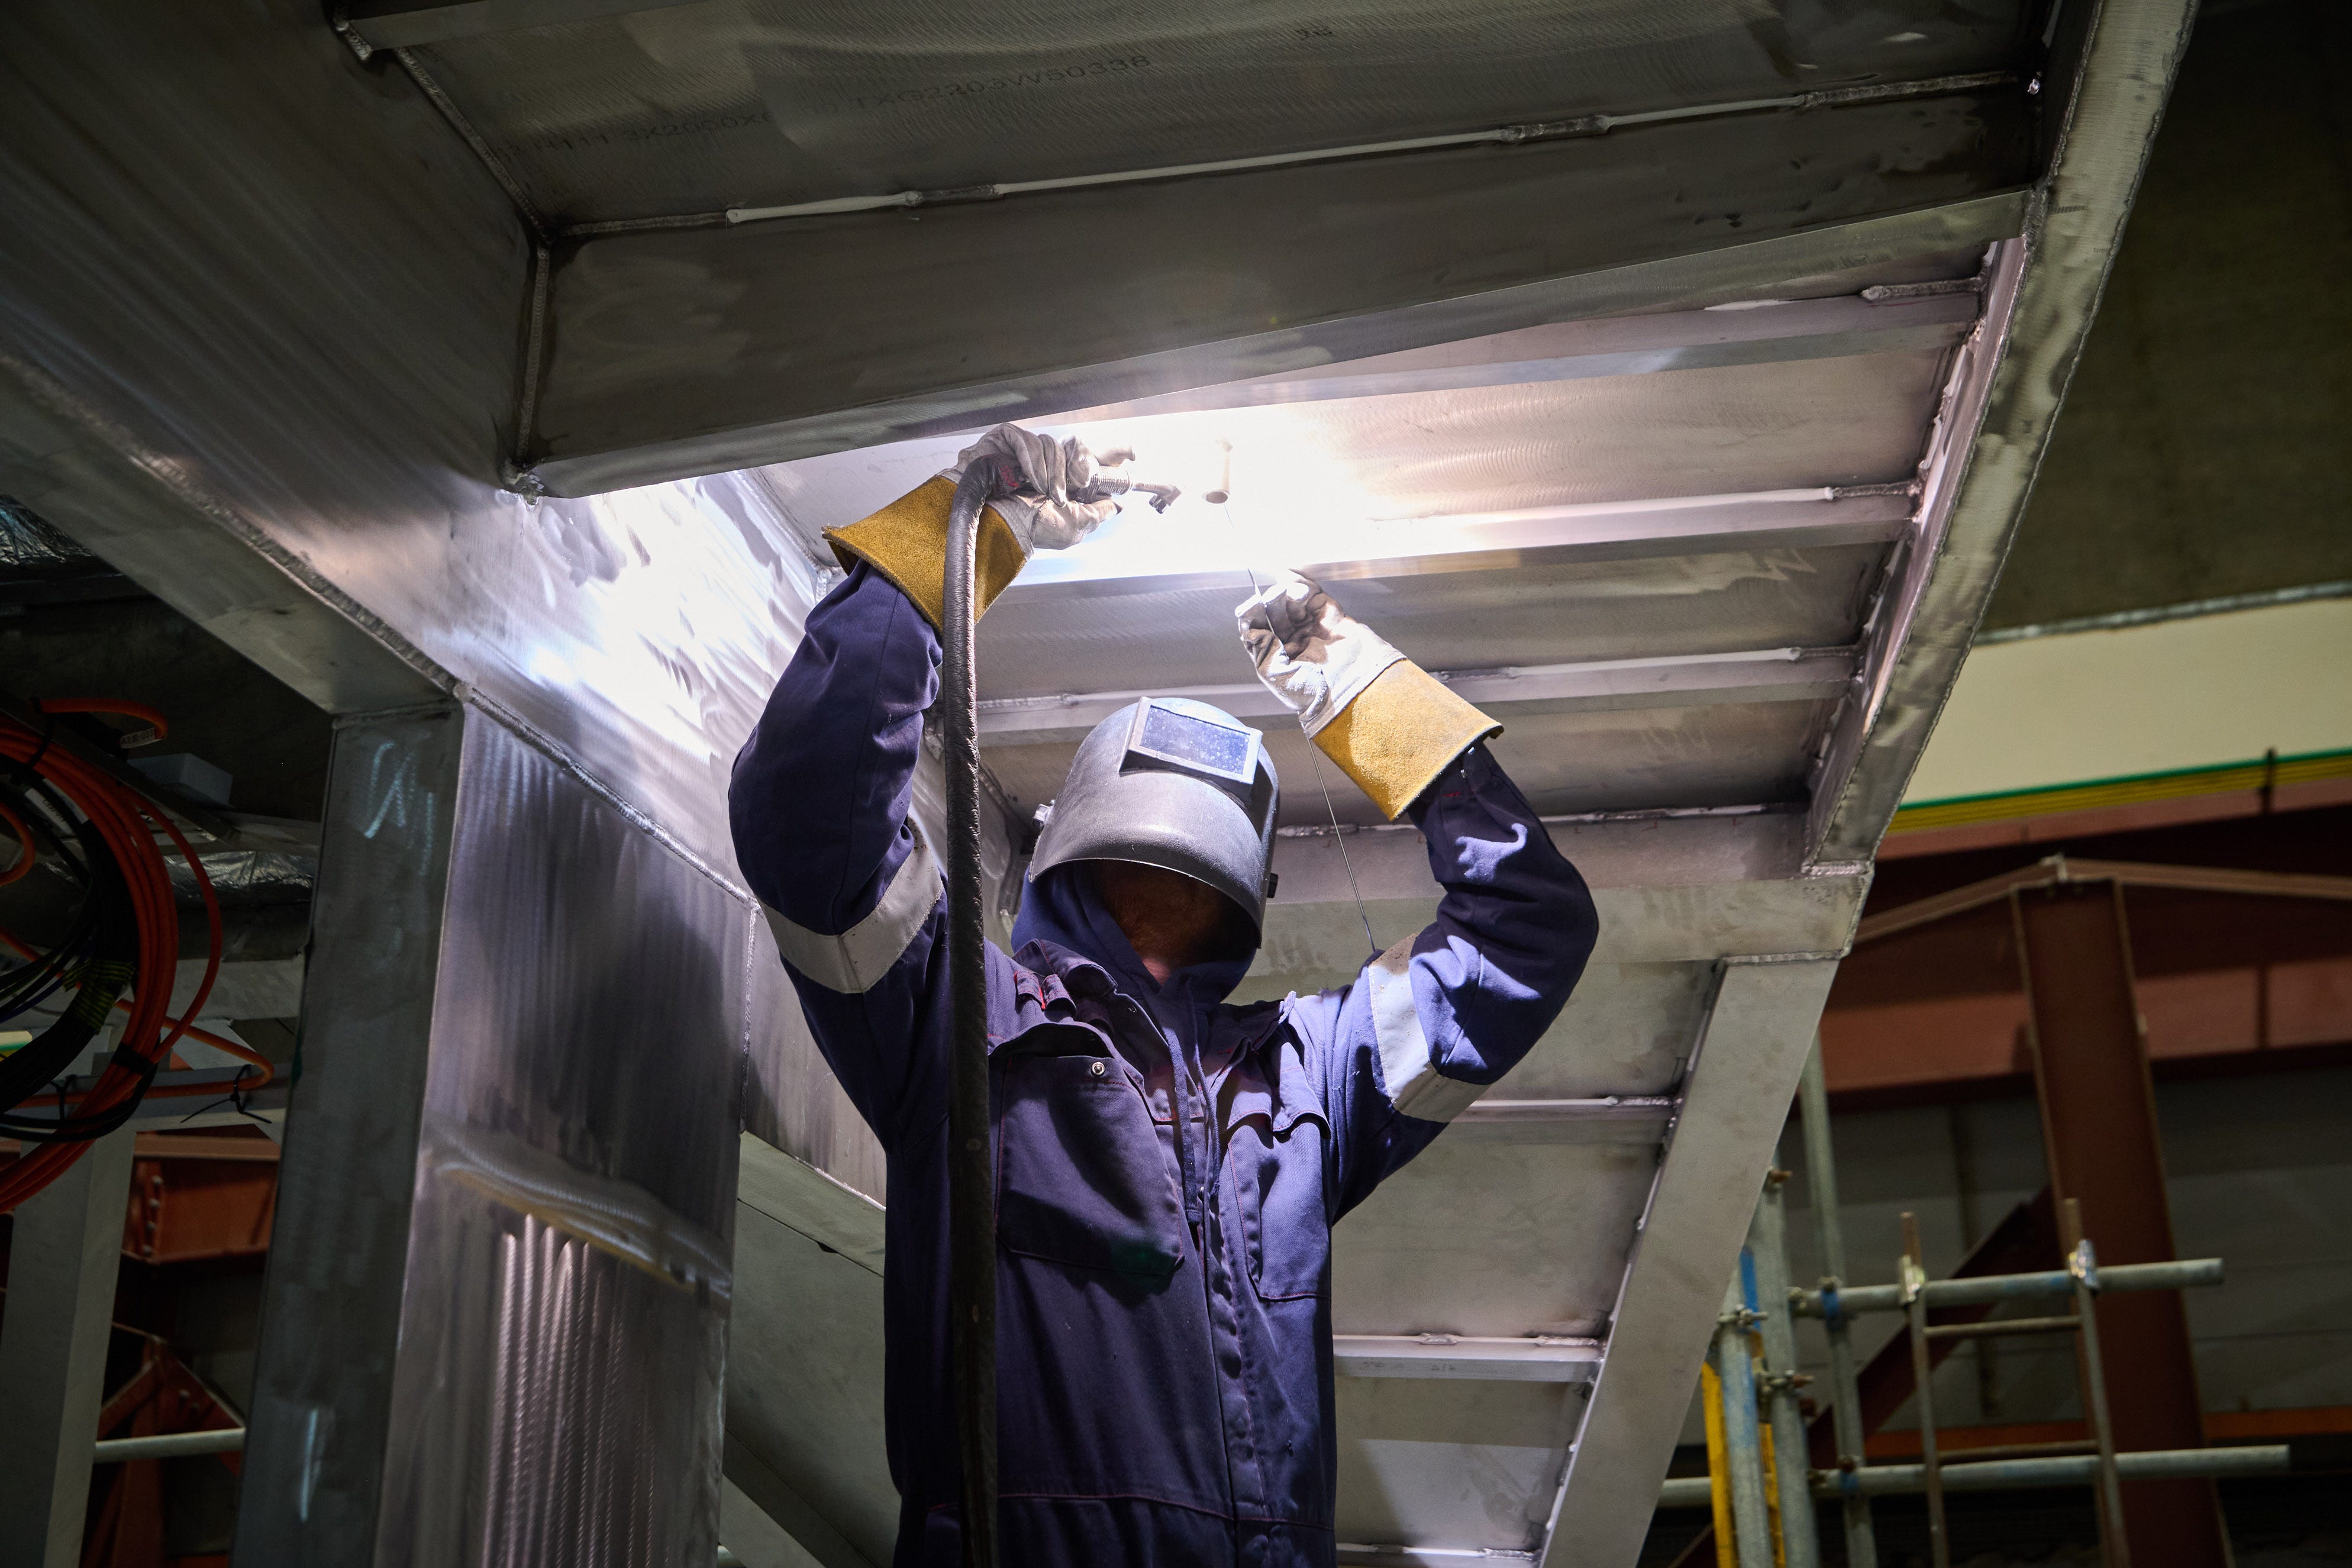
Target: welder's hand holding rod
(1309, 652)
(1390, 725)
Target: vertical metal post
(493, 1323)
(62, 1263)
(1969, 1183)
(1845, 1395)
(339, 1251)
(1743, 1441)
(1923, 1372)
(1718, 1468)
(2083, 1266)
(2103, 1149)
(1768, 1245)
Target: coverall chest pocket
(1275, 1146)
(1082, 1179)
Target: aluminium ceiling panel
(1303, 473)
(1492, 1236)
(1662, 605)
(1636, 759)
(1613, 760)
(1922, 267)
(1718, 430)
(692, 107)
(1631, 759)
(1450, 1465)
(1724, 430)
(691, 348)
(1626, 1031)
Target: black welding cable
(98, 981)
(971, 1173)
(32, 983)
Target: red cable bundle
(121, 819)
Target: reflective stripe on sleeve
(1415, 1086)
(853, 961)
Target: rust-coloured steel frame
(2103, 1149)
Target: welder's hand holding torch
(1043, 494)
(1390, 725)
(1062, 492)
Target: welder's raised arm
(1435, 1022)
(822, 793)
(821, 807)
(1431, 1025)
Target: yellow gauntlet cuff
(907, 541)
(1400, 733)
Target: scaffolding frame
(1763, 1500)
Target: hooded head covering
(1062, 909)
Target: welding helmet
(1175, 784)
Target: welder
(1169, 1166)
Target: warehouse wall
(2203, 452)
(2261, 1175)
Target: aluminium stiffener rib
(1817, 517)
(1769, 674)
(1764, 332)
(1492, 1359)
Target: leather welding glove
(1390, 725)
(906, 541)
(1066, 505)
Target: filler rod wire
(1371, 944)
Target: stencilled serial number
(575, 140)
(1045, 76)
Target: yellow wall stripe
(2177, 785)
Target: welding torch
(1103, 486)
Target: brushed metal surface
(1728, 263)
(569, 1275)
(1990, 442)
(667, 109)
(274, 383)
(1492, 1237)
(1693, 1217)
(1471, 1464)
(319, 1424)
(1716, 755)
(1754, 331)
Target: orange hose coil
(127, 825)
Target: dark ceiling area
(71, 627)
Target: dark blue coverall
(1170, 1167)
